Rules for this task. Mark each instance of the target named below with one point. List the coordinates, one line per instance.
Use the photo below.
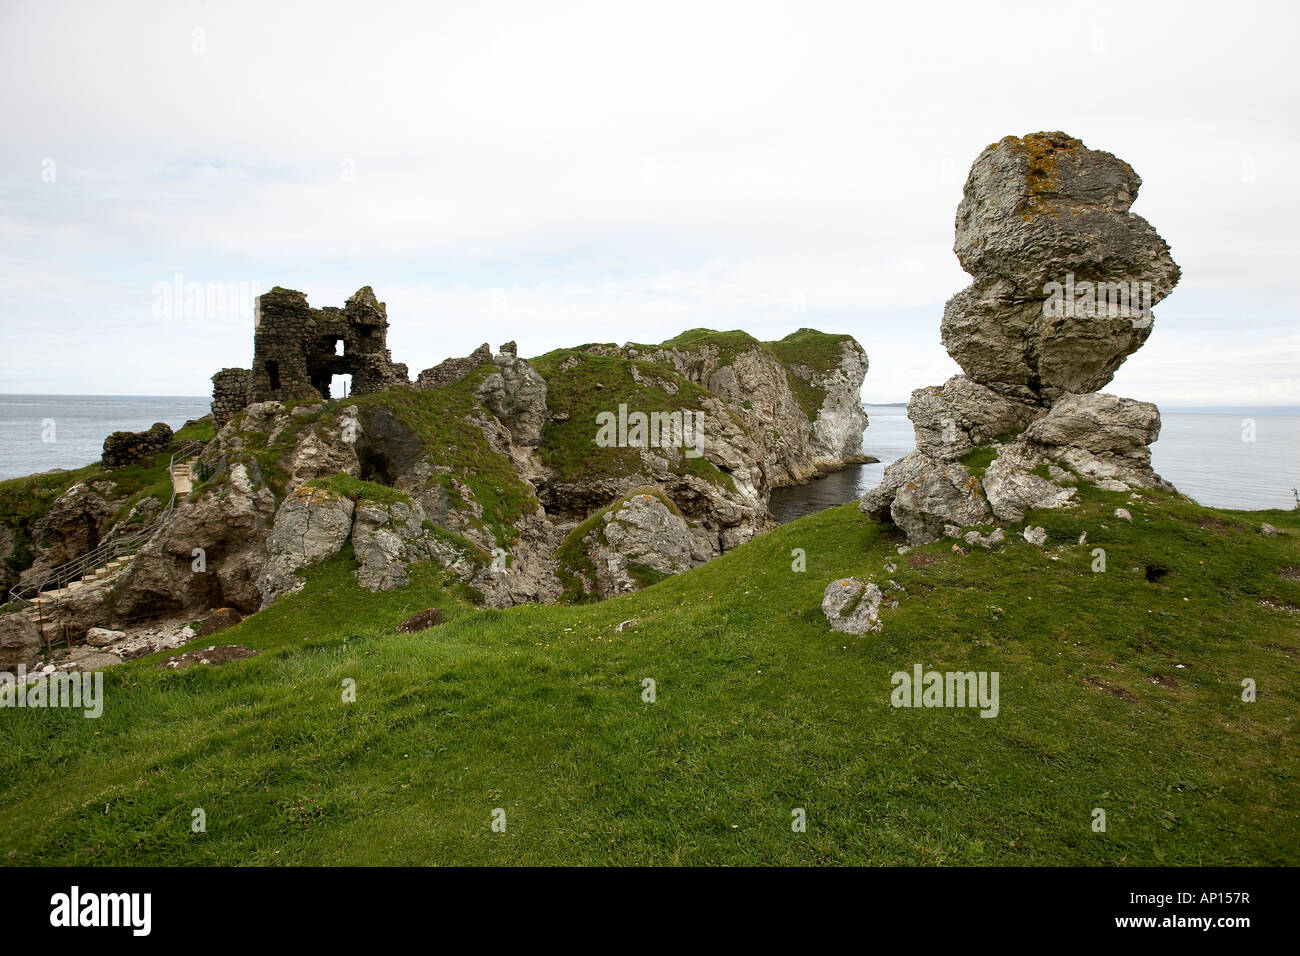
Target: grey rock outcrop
(223, 533)
(76, 523)
(961, 414)
(1065, 278)
(516, 394)
(755, 384)
(921, 495)
(311, 525)
(639, 533)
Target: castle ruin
(297, 350)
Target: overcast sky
(561, 173)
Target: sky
(561, 173)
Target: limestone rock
(1013, 487)
(1101, 437)
(76, 523)
(1044, 209)
(379, 540)
(995, 537)
(103, 636)
(228, 527)
(327, 450)
(640, 533)
(1065, 277)
(841, 419)
(516, 394)
(852, 606)
(1035, 535)
(311, 525)
(959, 415)
(921, 495)
(20, 639)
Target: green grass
(818, 351)
(977, 460)
(760, 709)
(358, 491)
(728, 344)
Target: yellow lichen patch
(313, 496)
(1043, 177)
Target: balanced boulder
(1065, 280)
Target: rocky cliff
(656, 458)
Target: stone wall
(127, 448)
(232, 390)
(455, 369)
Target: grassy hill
(1117, 692)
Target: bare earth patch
(217, 654)
(1117, 692)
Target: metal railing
(128, 542)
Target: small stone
(852, 606)
(1123, 514)
(1035, 535)
(1268, 531)
(103, 636)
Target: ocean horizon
(1202, 450)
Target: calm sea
(41, 432)
(1203, 454)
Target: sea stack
(1065, 279)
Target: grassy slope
(760, 709)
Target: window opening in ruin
(338, 346)
(273, 372)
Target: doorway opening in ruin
(338, 346)
(273, 372)
(340, 386)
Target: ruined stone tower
(297, 349)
